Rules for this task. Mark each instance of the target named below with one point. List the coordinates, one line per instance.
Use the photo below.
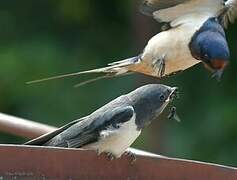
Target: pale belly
(173, 46)
(180, 60)
(116, 141)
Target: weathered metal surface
(27, 162)
(21, 162)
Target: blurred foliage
(44, 38)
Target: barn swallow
(192, 32)
(114, 127)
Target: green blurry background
(44, 38)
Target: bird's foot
(159, 66)
(110, 156)
(131, 155)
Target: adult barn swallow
(193, 32)
(114, 127)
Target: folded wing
(86, 130)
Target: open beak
(174, 94)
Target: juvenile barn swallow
(114, 127)
(193, 32)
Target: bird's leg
(131, 155)
(110, 156)
(159, 66)
(97, 152)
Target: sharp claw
(97, 152)
(162, 68)
(132, 156)
(159, 66)
(110, 156)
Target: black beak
(174, 93)
(218, 74)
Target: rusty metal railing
(21, 127)
(29, 162)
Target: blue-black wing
(82, 132)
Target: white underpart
(174, 44)
(116, 141)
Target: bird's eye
(162, 97)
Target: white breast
(116, 141)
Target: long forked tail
(114, 69)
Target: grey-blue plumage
(115, 126)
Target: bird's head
(149, 102)
(214, 53)
(209, 45)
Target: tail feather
(92, 80)
(114, 69)
(125, 62)
(100, 78)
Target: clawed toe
(110, 156)
(131, 155)
(159, 66)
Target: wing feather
(166, 11)
(148, 7)
(86, 130)
(230, 12)
(46, 137)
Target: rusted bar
(22, 127)
(25, 162)
(28, 162)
